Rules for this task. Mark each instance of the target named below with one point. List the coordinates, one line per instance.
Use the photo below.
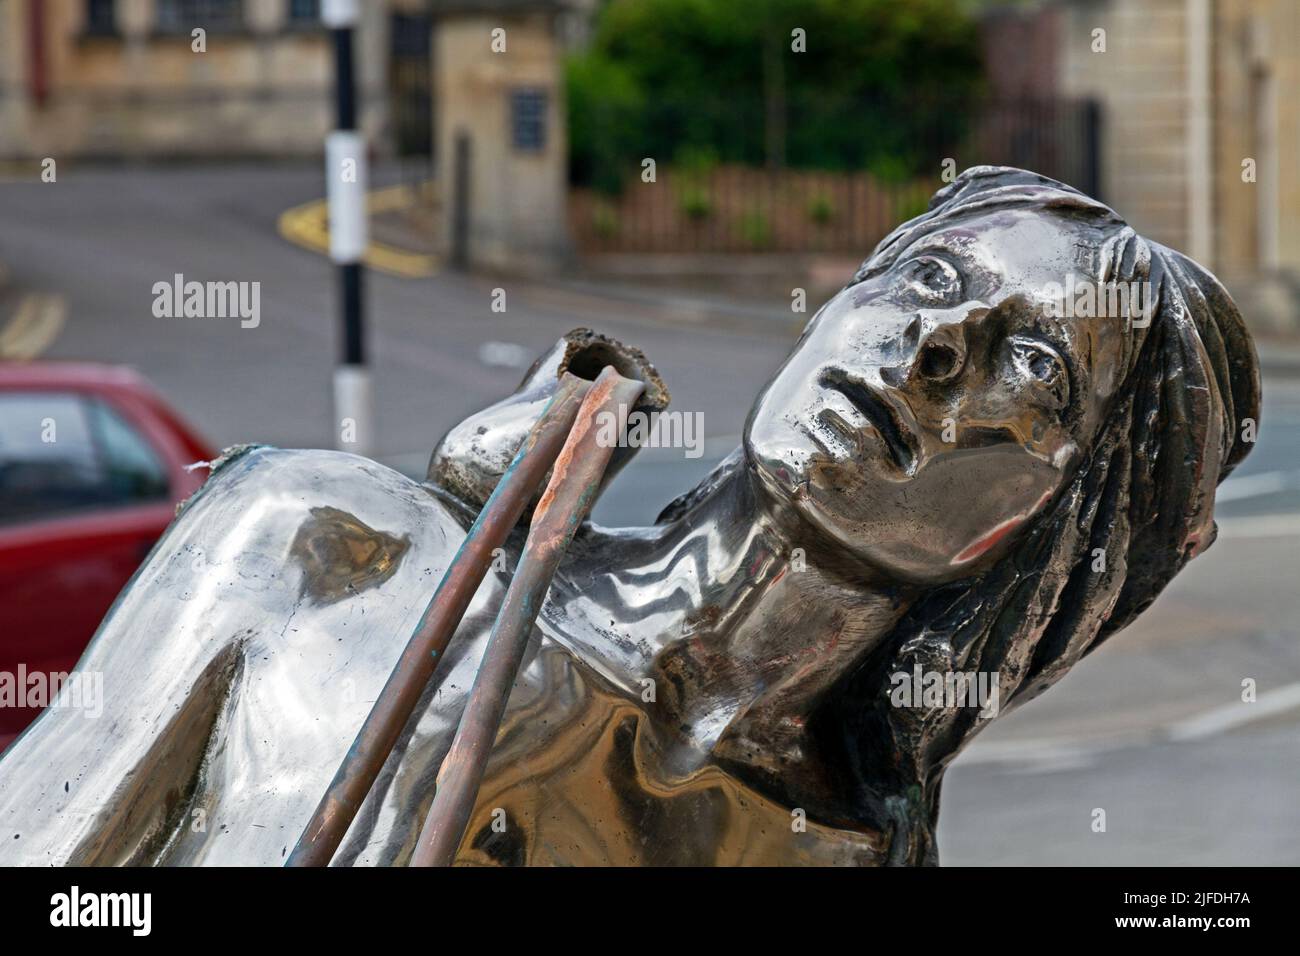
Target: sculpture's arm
(288, 576)
(473, 456)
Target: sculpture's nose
(941, 356)
(932, 357)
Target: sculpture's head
(943, 400)
(1041, 478)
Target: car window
(62, 453)
(48, 462)
(133, 469)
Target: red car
(92, 464)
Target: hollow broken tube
(574, 484)
(396, 702)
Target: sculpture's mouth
(879, 413)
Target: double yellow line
(34, 327)
(308, 226)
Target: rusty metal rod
(574, 484)
(393, 708)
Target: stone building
(1198, 98)
(130, 78)
(501, 142)
(473, 87)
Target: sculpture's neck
(740, 615)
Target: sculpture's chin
(780, 466)
(851, 523)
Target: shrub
(876, 84)
(695, 203)
(820, 210)
(754, 229)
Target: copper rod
(574, 484)
(393, 708)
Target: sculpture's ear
(473, 455)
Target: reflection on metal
(321, 837)
(568, 499)
(943, 477)
(342, 556)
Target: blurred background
(669, 172)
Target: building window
(99, 18)
(182, 16)
(303, 10)
(528, 120)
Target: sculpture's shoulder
(277, 531)
(285, 482)
(321, 525)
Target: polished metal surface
(925, 484)
(427, 646)
(574, 484)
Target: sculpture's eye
(933, 278)
(1042, 363)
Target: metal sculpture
(950, 475)
(397, 701)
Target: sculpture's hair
(1137, 508)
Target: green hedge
(883, 85)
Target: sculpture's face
(931, 411)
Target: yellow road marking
(308, 226)
(34, 327)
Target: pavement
(1151, 729)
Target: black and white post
(345, 173)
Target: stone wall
(261, 89)
(1139, 81)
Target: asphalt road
(104, 237)
(1150, 729)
